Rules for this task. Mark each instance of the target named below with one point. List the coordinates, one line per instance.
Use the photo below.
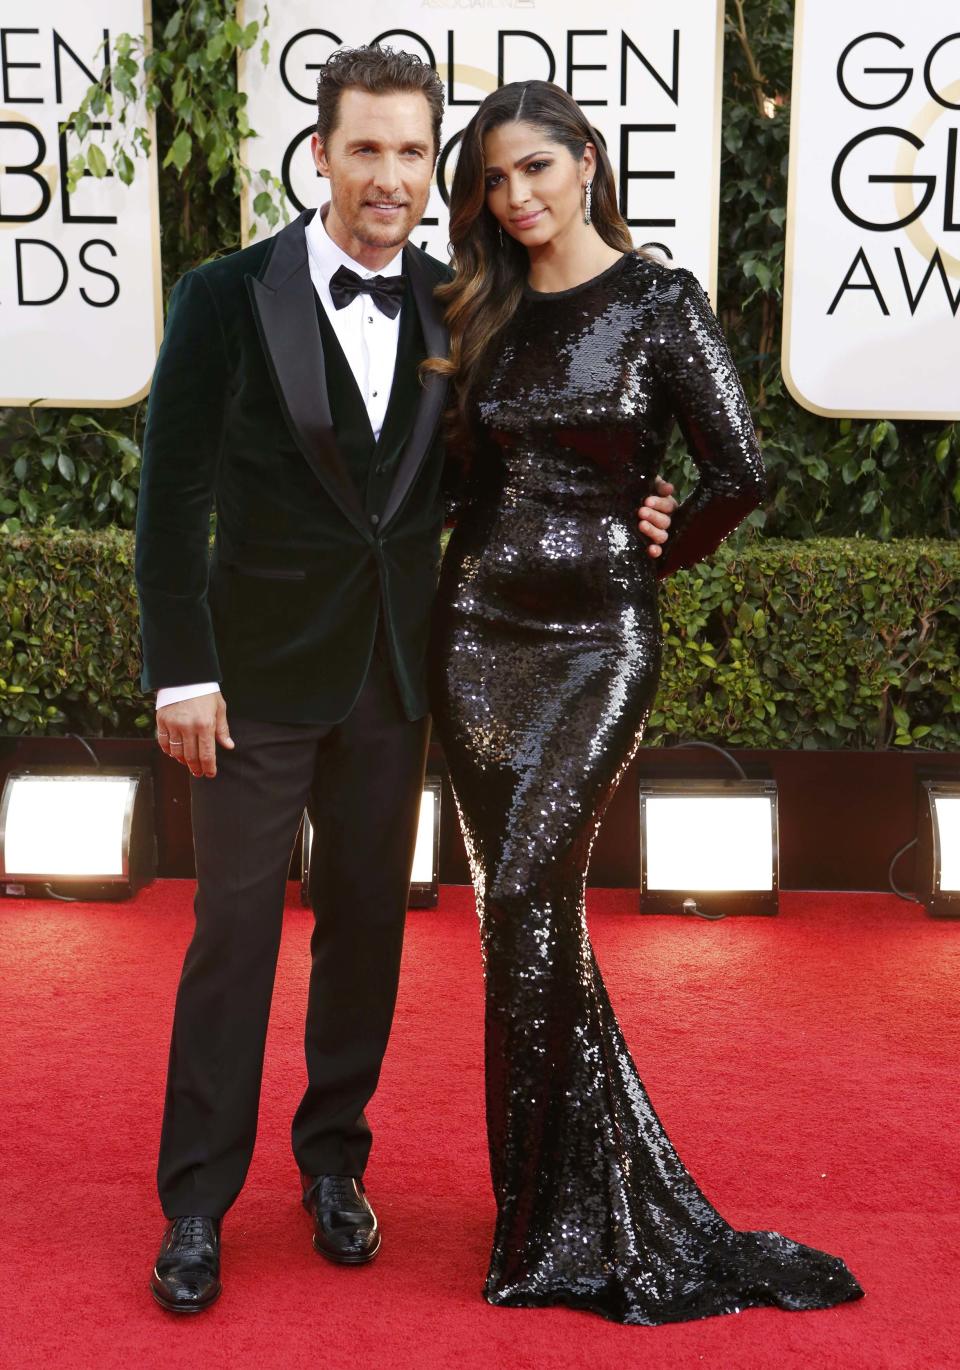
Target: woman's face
(534, 186)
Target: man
(287, 396)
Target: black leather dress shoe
(186, 1277)
(345, 1227)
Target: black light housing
(709, 847)
(425, 879)
(938, 848)
(77, 832)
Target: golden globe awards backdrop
(80, 306)
(648, 78)
(872, 278)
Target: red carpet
(805, 1067)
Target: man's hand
(190, 730)
(654, 516)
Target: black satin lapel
(284, 308)
(434, 391)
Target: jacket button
(374, 519)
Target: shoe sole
(347, 1260)
(185, 1308)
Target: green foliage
(68, 644)
(188, 80)
(827, 643)
(67, 470)
(831, 643)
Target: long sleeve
(704, 391)
(181, 450)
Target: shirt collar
(328, 257)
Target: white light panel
(709, 842)
(946, 814)
(66, 825)
(423, 854)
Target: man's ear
(319, 155)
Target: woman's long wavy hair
(489, 277)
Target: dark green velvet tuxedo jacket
(247, 415)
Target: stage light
(77, 833)
(709, 847)
(938, 848)
(425, 877)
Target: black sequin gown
(544, 666)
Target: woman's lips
(527, 219)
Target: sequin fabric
(544, 665)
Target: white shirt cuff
(173, 694)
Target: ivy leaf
(96, 161)
(130, 451)
(125, 168)
(173, 26)
(65, 466)
(179, 152)
(216, 48)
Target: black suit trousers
(361, 782)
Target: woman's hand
(654, 514)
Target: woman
(571, 356)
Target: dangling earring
(588, 196)
(500, 231)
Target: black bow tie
(385, 291)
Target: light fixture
(709, 847)
(425, 877)
(76, 832)
(938, 848)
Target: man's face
(379, 161)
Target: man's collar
(327, 256)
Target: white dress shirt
(369, 341)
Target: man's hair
(381, 71)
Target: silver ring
(176, 744)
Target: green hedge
(828, 643)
